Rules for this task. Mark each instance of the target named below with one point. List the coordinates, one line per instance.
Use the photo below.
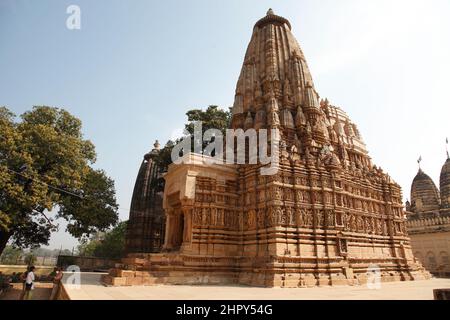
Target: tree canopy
(46, 173)
(211, 118)
(11, 255)
(110, 245)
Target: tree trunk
(4, 237)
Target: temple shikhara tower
(146, 225)
(428, 223)
(328, 216)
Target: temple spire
(446, 147)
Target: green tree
(87, 247)
(112, 245)
(164, 157)
(30, 259)
(211, 118)
(10, 255)
(45, 168)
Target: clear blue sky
(136, 67)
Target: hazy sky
(136, 67)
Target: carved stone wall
(430, 239)
(326, 217)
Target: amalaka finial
(271, 18)
(156, 145)
(419, 161)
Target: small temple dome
(444, 184)
(424, 194)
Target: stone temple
(146, 225)
(327, 217)
(429, 221)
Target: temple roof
(154, 152)
(444, 184)
(273, 64)
(145, 225)
(276, 90)
(271, 17)
(144, 185)
(446, 167)
(424, 194)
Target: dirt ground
(42, 291)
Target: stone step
(143, 280)
(134, 261)
(107, 280)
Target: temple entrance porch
(178, 228)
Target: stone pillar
(187, 232)
(168, 244)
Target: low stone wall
(86, 263)
(39, 271)
(432, 249)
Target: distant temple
(429, 221)
(146, 224)
(328, 216)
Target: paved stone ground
(92, 289)
(42, 291)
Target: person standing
(29, 284)
(58, 274)
(23, 279)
